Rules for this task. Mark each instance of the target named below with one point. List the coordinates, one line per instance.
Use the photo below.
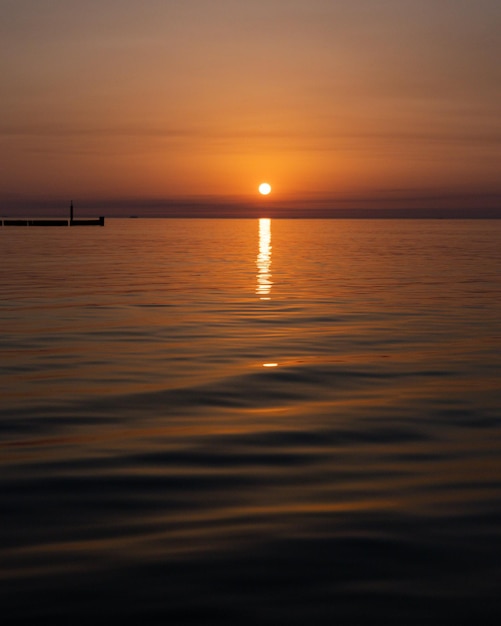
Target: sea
(251, 421)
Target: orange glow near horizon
(211, 100)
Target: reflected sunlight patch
(263, 260)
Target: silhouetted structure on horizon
(86, 221)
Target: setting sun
(264, 189)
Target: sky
(159, 106)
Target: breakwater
(94, 221)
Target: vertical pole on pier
(71, 211)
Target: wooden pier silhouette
(47, 221)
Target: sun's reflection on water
(263, 260)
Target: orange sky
(351, 104)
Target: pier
(13, 221)
(47, 221)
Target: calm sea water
(243, 421)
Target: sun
(264, 189)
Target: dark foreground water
(245, 422)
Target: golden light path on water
(263, 260)
(263, 263)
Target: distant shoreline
(223, 212)
(12, 220)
